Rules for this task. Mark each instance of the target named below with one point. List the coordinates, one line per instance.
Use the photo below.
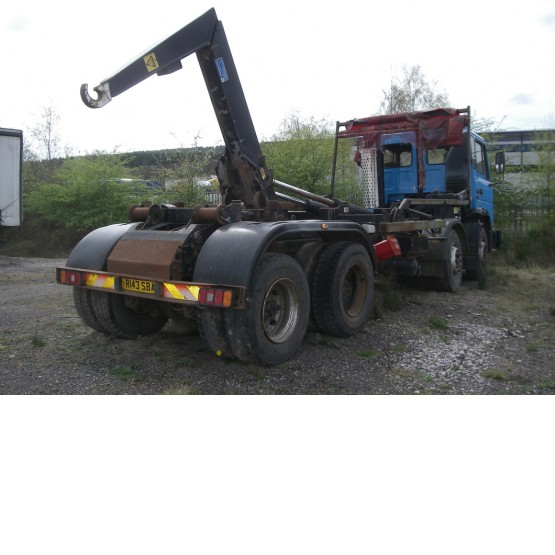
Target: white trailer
(11, 156)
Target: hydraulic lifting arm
(242, 171)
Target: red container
(387, 248)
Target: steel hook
(103, 91)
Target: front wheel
(478, 270)
(452, 263)
(271, 328)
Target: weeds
(535, 346)
(546, 384)
(179, 389)
(437, 323)
(390, 296)
(37, 341)
(127, 373)
(495, 375)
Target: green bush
(85, 194)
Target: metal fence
(524, 211)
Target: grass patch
(180, 389)
(390, 296)
(495, 375)
(319, 339)
(546, 384)
(37, 341)
(437, 323)
(406, 374)
(330, 343)
(127, 373)
(535, 346)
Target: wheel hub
(280, 311)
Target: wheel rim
(280, 311)
(353, 294)
(456, 260)
(483, 248)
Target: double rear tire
(272, 327)
(343, 289)
(118, 315)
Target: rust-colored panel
(143, 257)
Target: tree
(412, 92)
(545, 173)
(86, 194)
(41, 148)
(301, 154)
(46, 135)
(184, 173)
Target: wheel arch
(91, 253)
(231, 254)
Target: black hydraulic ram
(242, 171)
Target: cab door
(481, 190)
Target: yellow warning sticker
(151, 62)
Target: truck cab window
(397, 156)
(436, 156)
(479, 157)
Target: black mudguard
(431, 264)
(231, 254)
(91, 253)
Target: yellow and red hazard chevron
(181, 291)
(99, 280)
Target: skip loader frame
(273, 260)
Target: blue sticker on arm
(221, 69)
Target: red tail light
(215, 297)
(71, 277)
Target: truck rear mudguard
(232, 253)
(93, 250)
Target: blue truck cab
(445, 169)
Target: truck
(271, 260)
(11, 159)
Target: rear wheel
(343, 289)
(126, 317)
(452, 263)
(307, 257)
(211, 327)
(83, 305)
(478, 271)
(273, 325)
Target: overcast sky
(327, 60)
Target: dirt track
(497, 340)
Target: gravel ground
(479, 341)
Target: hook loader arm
(242, 171)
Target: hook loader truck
(271, 259)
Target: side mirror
(500, 162)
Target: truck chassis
(272, 260)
